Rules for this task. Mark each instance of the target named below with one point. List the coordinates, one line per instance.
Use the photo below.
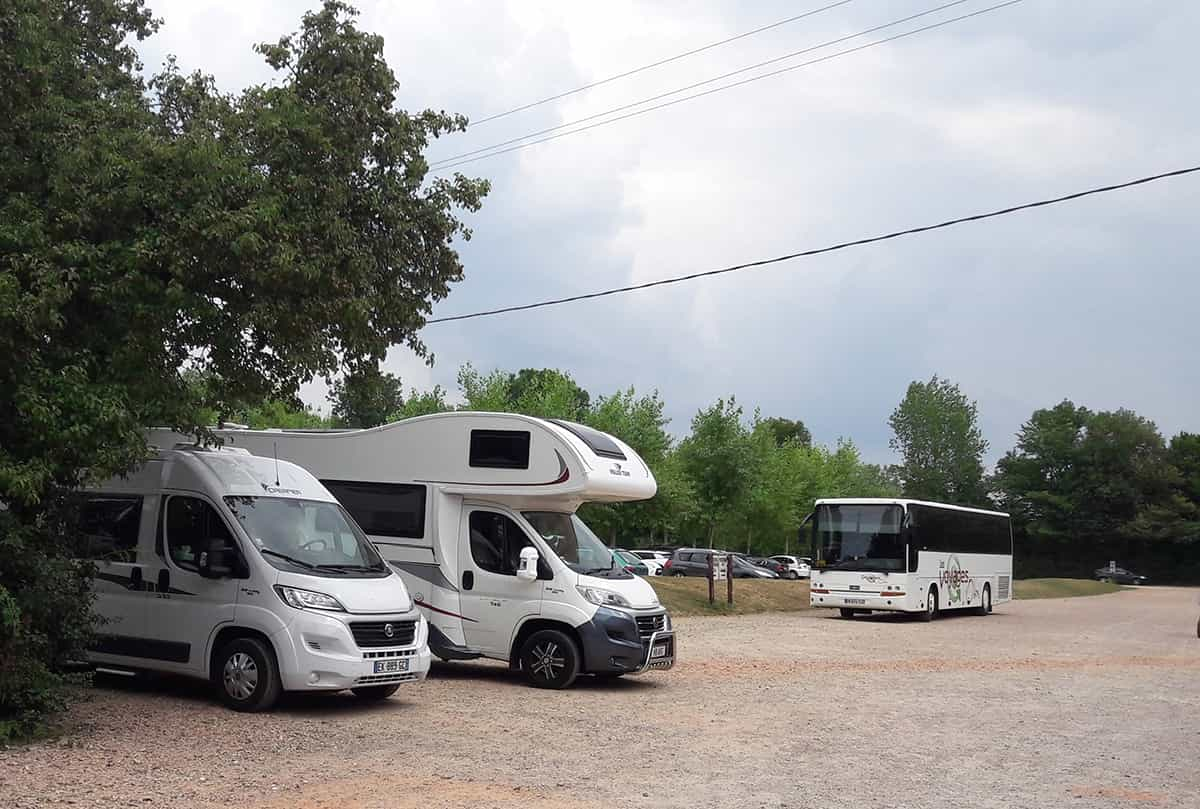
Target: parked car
(1119, 575)
(688, 562)
(773, 565)
(653, 560)
(795, 567)
(631, 563)
(744, 569)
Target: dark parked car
(688, 562)
(773, 565)
(1119, 575)
(744, 568)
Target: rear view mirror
(527, 570)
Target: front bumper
(318, 653)
(857, 600)
(614, 644)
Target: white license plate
(658, 651)
(390, 666)
(856, 601)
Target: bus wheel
(985, 601)
(931, 606)
(847, 612)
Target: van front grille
(369, 634)
(649, 624)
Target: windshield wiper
(286, 558)
(373, 568)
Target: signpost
(719, 567)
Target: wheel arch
(535, 624)
(228, 634)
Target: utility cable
(459, 159)
(659, 63)
(818, 251)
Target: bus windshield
(860, 537)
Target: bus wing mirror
(528, 568)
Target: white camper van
(477, 512)
(245, 571)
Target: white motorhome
(477, 512)
(245, 571)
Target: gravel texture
(1087, 702)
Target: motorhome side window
(500, 449)
(191, 525)
(109, 527)
(383, 509)
(496, 542)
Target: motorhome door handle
(164, 580)
(468, 579)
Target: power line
(659, 63)
(445, 164)
(693, 86)
(818, 251)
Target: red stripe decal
(420, 603)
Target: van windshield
(575, 544)
(307, 536)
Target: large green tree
(263, 237)
(718, 459)
(366, 397)
(936, 431)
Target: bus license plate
(390, 666)
(856, 601)
(658, 651)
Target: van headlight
(308, 599)
(603, 598)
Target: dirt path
(1091, 702)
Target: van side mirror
(218, 560)
(528, 568)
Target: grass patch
(1061, 588)
(689, 596)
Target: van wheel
(375, 693)
(931, 606)
(985, 601)
(549, 659)
(847, 612)
(247, 676)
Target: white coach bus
(909, 556)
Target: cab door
(185, 608)
(494, 600)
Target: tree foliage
(151, 226)
(936, 431)
(366, 397)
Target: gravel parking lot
(1087, 702)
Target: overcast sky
(1097, 301)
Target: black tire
(985, 601)
(678, 573)
(931, 606)
(246, 675)
(375, 693)
(550, 659)
(793, 575)
(847, 612)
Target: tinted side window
(383, 509)
(191, 525)
(496, 542)
(500, 449)
(109, 527)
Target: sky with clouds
(1097, 300)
